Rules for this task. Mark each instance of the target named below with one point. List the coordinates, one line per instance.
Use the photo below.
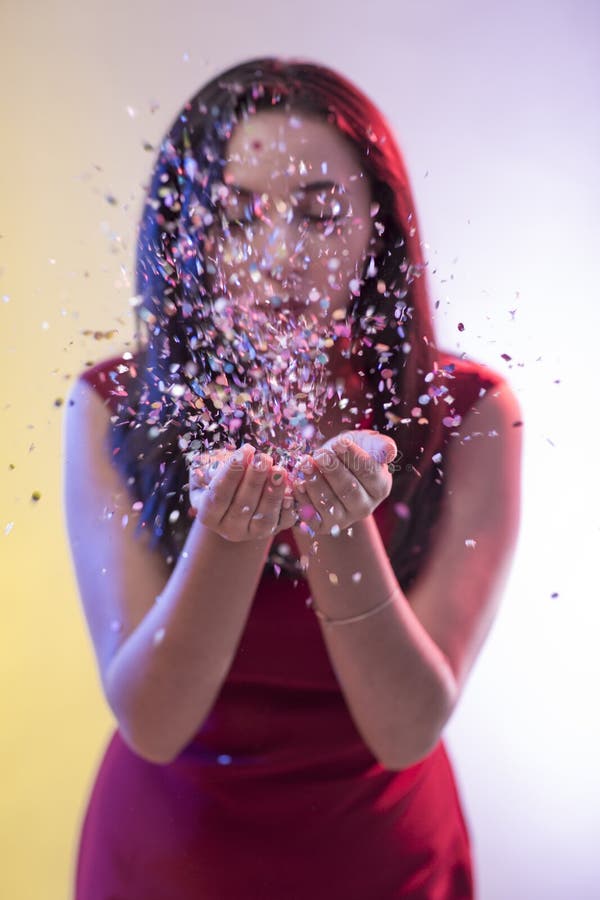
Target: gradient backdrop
(496, 108)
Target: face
(295, 225)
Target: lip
(286, 301)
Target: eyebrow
(313, 186)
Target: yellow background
(494, 108)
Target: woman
(284, 618)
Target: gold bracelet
(358, 618)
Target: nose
(278, 246)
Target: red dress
(277, 797)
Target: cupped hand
(240, 494)
(344, 480)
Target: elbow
(159, 756)
(141, 738)
(138, 726)
(399, 762)
(419, 739)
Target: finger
(288, 516)
(266, 518)
(380, 447)
(321, 489)
(203, 468)
(224, 481)
(372, 476)
(247, 496)
(306, 516)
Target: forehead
(288, 150)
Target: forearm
(398, 684)
(163, 680)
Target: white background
(495, 106)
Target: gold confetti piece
(100, 335)
(333, 578)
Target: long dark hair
(393, 347)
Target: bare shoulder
(117, 574)
(499, 405)
(483, 457)
(457, 593)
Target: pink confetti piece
(402, 510)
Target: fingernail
(342, 443)
(257, 462)
(277, 477)
(326, 459)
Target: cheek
(229, 256)
(343, 259)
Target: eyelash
(305, 217)
(250, 215)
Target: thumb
(381, 447)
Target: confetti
(333, 578)
(356, 577)
(402, 510)
(452, 421)
(158, 636)
(469, 542)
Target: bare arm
(164, 642)
(396, 680)
(402, 670)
